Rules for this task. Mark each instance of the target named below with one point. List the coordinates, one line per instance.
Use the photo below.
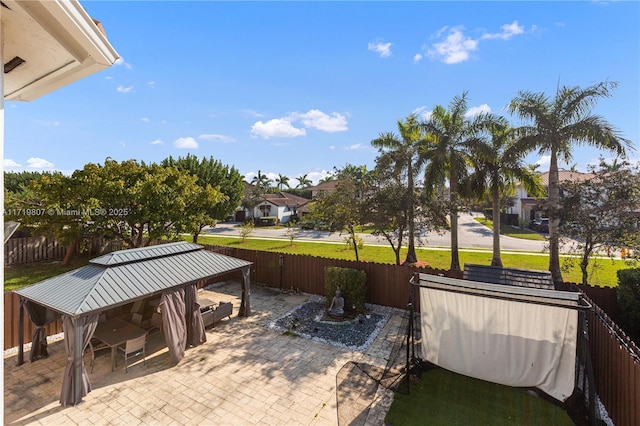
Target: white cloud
(145, 120)
(382, 49)
(186, 143)
(221, 138)
(122, 89)
(9, 163)
(332, 147)
(108, 77)
(121, 62)
(151, 83)
(276, 128)
(455, 48)
(544, 162)
(39, 163)
(157, 142)
(317, 119)
(417, 57)
(477, 110)
(355, 147)
(251, 113)
(423, 113)
(508, 31)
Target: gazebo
(170, 271)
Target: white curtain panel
(502, 341)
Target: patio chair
(133, 348)
(136, 318)
(97, 348)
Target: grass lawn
(603, 275)
(446, 398)
(18, 276)
(510, 231)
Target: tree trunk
(71, 250)
(195, 237)
(453, 198)
(554, 219)
(496, 260)
(411, 248)
(354, 241)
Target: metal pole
(21, 332)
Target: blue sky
(302, 87)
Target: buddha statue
(337, 305)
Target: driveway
(471, 235)
(245, 374)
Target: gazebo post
(21, 332)
(245, 302)
(77, 357)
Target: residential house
(282, 205)
(528, 208)
(324, 187)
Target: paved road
(471, 235)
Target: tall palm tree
(406, 149)
(556, 124)
(303, 181)
(498, 165)
(261, 181)
(448, 159)
(282, 180)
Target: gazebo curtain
(174, 322)
(196, 332)
(40, 316)
(68, 393)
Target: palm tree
(498, 165)
(448, 159)
(281, 181)
(303, 181)
(261, 181)
(405, 150)
(556, 124)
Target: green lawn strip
(511, 231)
(446, 398)
(18, 276)
(603, 275)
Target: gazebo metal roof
(126, 275)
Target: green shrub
(352, 284)
(267, 221)
(629, 302)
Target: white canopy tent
(516, 336)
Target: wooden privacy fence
(616, 364)
(40, 249)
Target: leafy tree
(210, 172)
(404, 152)
(388, 206)
(555, 125)
(15, 182)
(303, 181)
(282, 181)
(452, 134)
(342, 209)
(498, 167)
(600, 213)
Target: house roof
(48, 44)
(125, 275)
(324, 186)
(566, 176)
(509, 276)
(285, 199)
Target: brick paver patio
(245, 374)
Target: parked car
(540, 225)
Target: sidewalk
(245, 374)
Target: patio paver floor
(245, 374)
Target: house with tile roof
(529, 208)
(282, 205)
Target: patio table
(115, 332)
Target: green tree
(555, 125)
(262, 181)
(498, 166)
(17, 181)
(303, 181)
(452, 134)
(404, 150)
(342, 209)
(282, 181)
(598, 214)
(210, 172)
